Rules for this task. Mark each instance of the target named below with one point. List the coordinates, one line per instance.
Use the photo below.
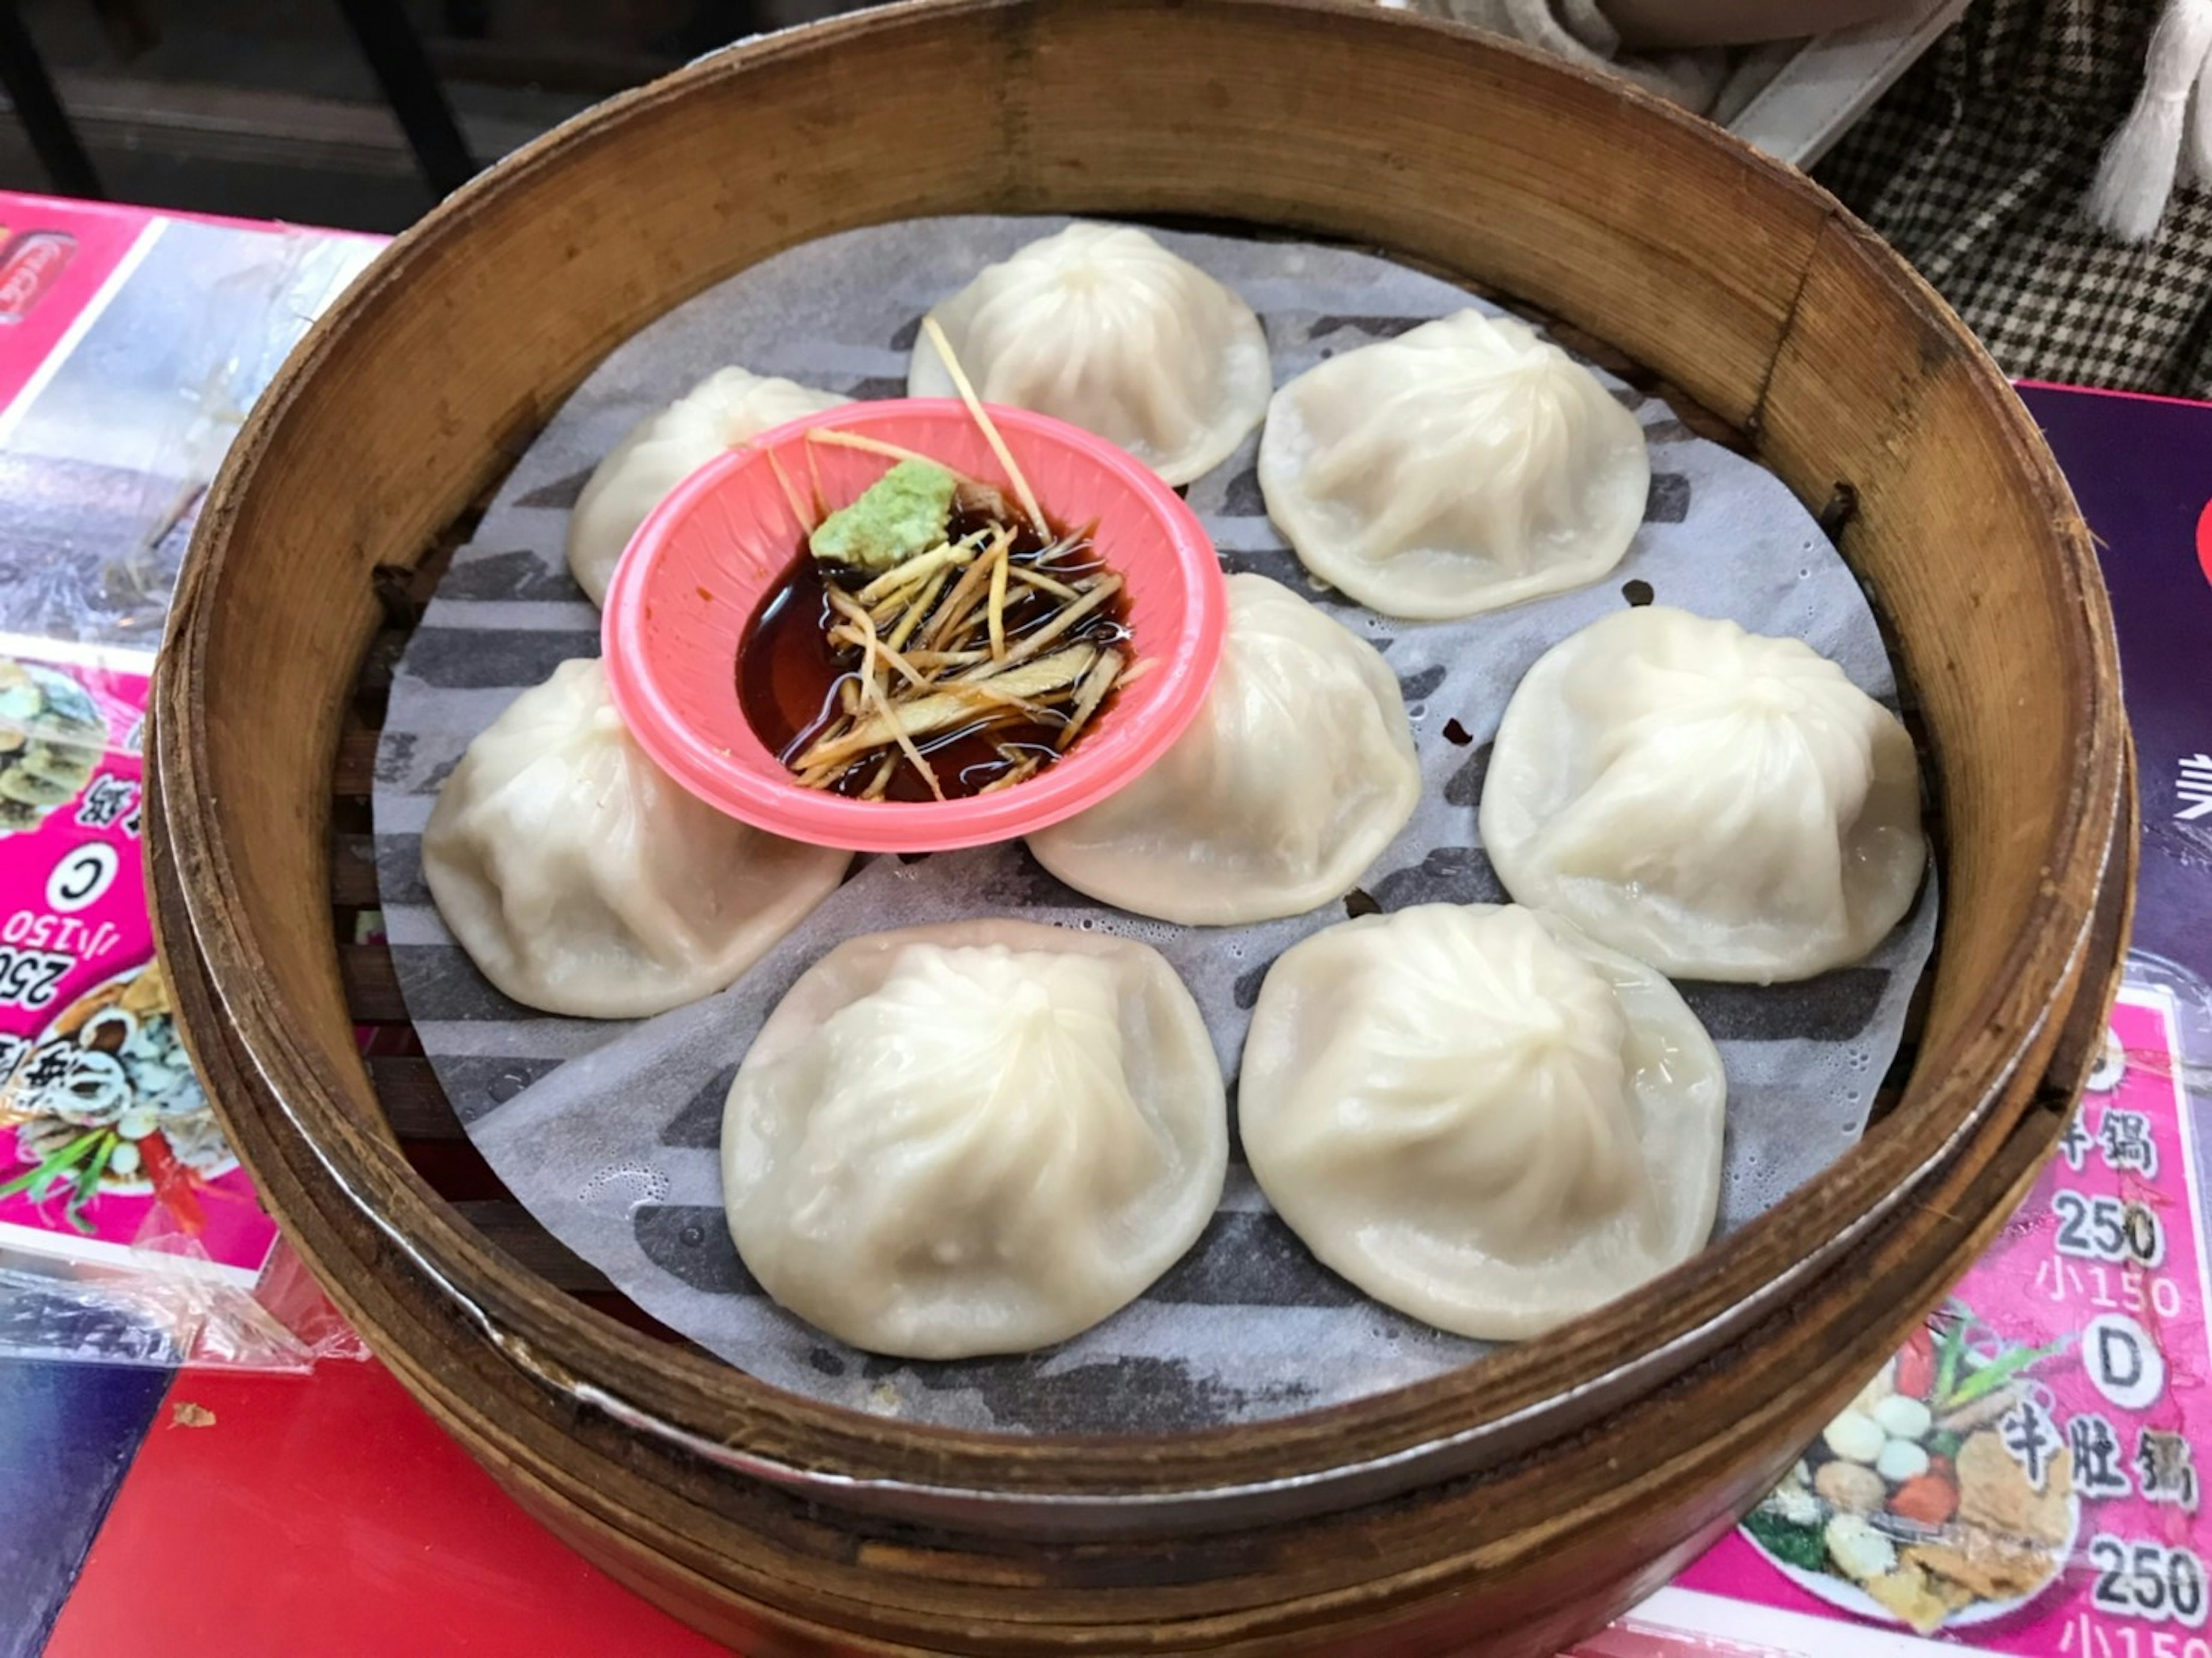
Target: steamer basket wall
(1506, 1508)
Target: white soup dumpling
(1466, 466)
(1100, 326)
(1718, 803)
(1297, 774)
(582, 879)
(720, 412)
(1481, 1118)
(982, 1137)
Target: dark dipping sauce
(789, 673)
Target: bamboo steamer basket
(1506, 1508)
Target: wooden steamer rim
(1734, 276)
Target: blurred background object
(359, 114)
(354, 114)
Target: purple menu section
(2141, 469)
(66, 1434)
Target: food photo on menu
(1054, 923)
(107, 1135)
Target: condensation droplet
(647, 1186)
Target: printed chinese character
(2100, 1468)
(131, 823)
(77, 1084)
(2124, 1139)
(2061, 1280)
(12, 1050)
(2074, 1144)
(106, 801)
(2195, 788)
(2087, 1638)
(2164, 1467)
(49, 1067)
(2028, 1434)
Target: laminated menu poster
(106, 1136)
(131, 345)
(2027, 1476)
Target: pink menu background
(109, 937)
(101, 237)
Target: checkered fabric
(1976, 165)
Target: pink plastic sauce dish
(685, 594)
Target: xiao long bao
(975, 1137)
(1465, 465)
(1718, 803)
(1480, 1117)
(582, 880)
(1100, 326)
(662, 449)
(1297, 774)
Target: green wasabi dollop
(903, 514)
